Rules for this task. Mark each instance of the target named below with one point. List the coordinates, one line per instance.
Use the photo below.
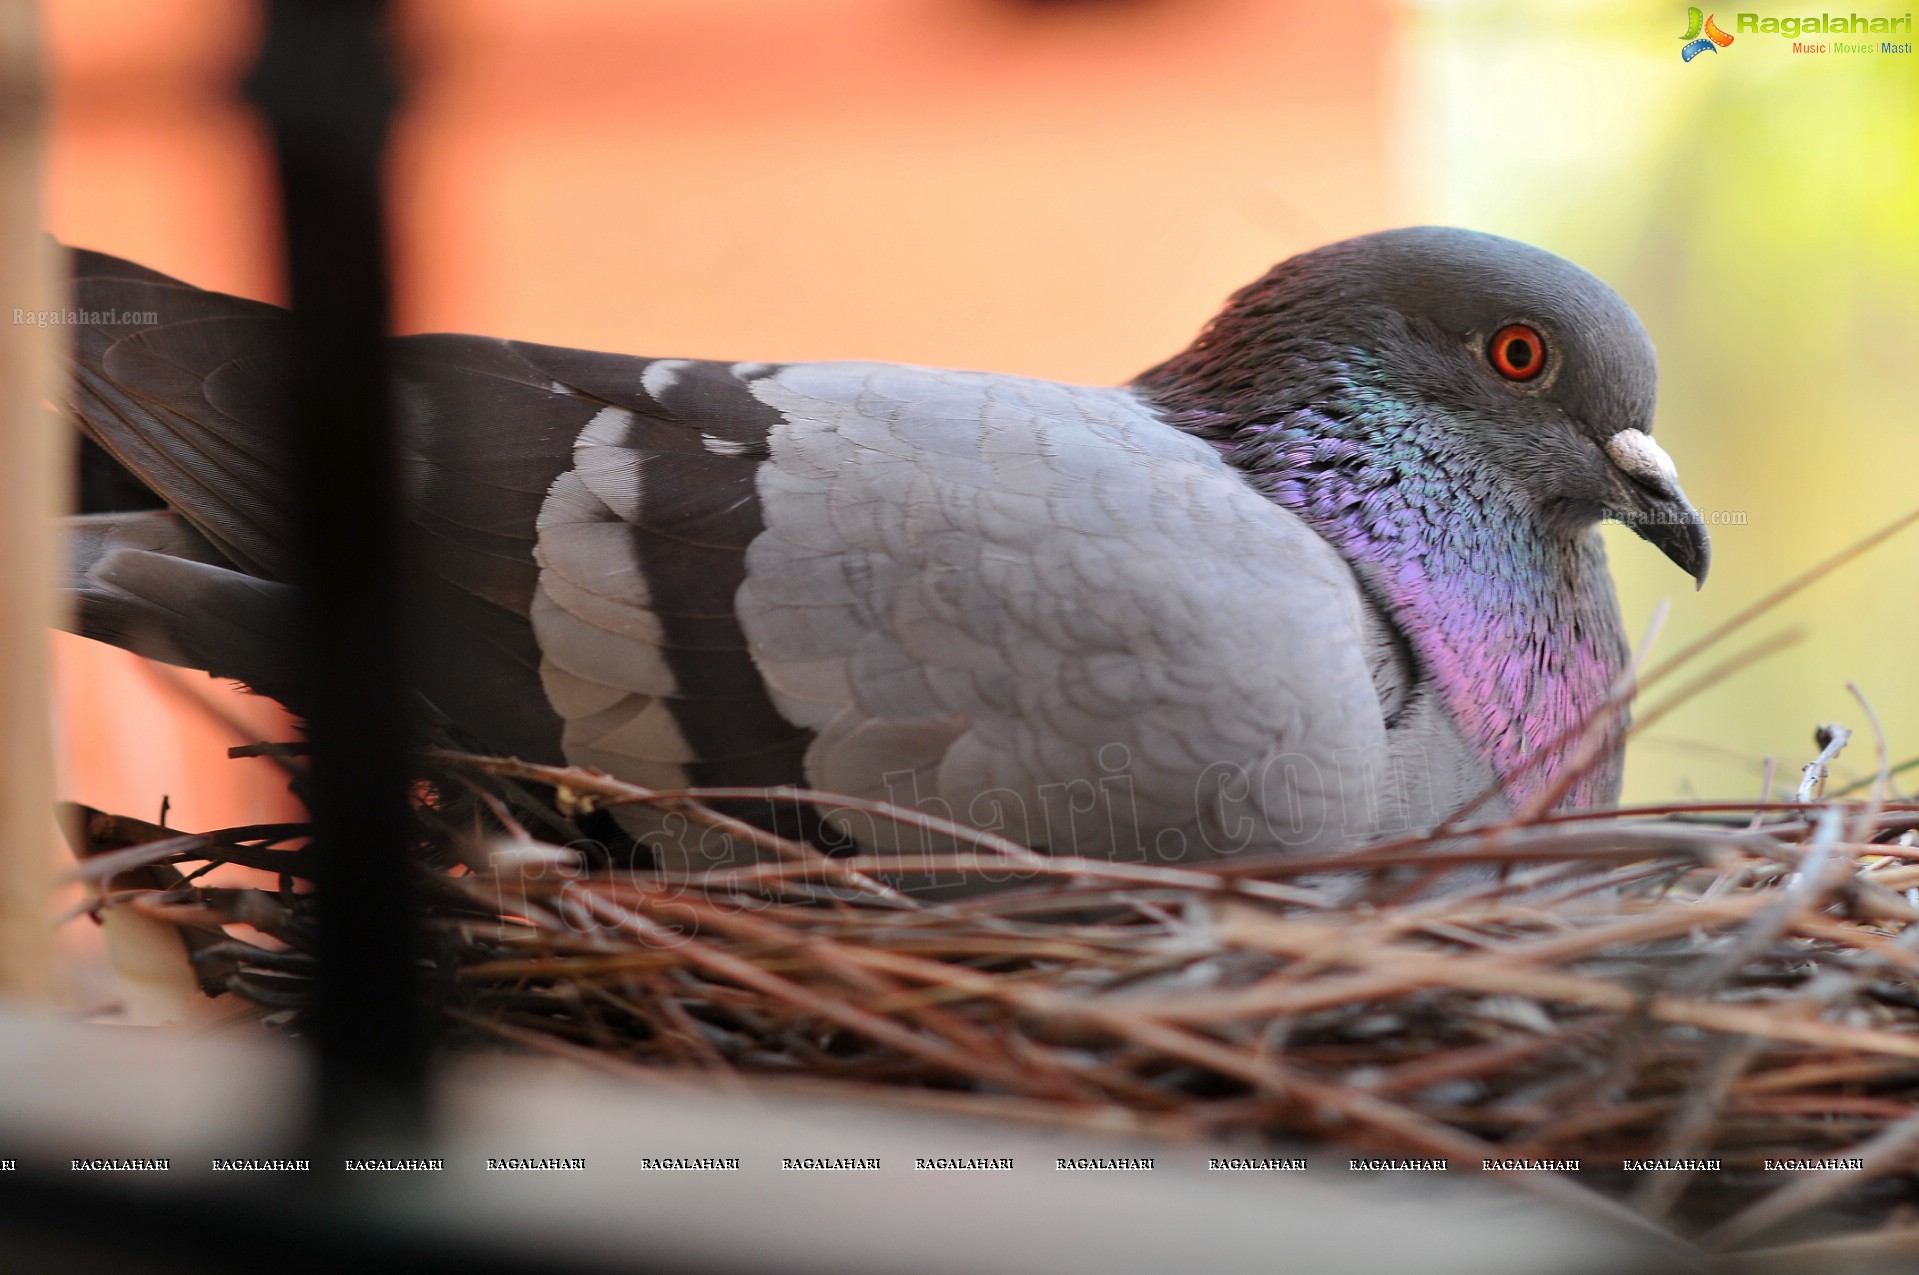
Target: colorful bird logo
(1696, 43)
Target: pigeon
(1330, 574)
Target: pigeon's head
(1527, 364)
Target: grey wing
(1043, 611)
(641, 550)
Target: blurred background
(1069, 188)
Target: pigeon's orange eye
(1517, 352)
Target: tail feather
(180, 389)
(178, 385)
(150, 583)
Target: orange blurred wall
(1066, 190)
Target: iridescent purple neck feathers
(1514, 623)
(1364, 386)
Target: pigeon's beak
(1661, 516)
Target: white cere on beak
(1639, 457)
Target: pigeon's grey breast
(1033, 607)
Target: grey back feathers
(1038, 605)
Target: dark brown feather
(187, 406)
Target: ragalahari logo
(1711, 41)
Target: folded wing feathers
(642, 549)
(999, 593)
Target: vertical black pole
(326, 87)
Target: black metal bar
(326, 86)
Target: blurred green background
(1759, 208)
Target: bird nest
(1715, 987)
